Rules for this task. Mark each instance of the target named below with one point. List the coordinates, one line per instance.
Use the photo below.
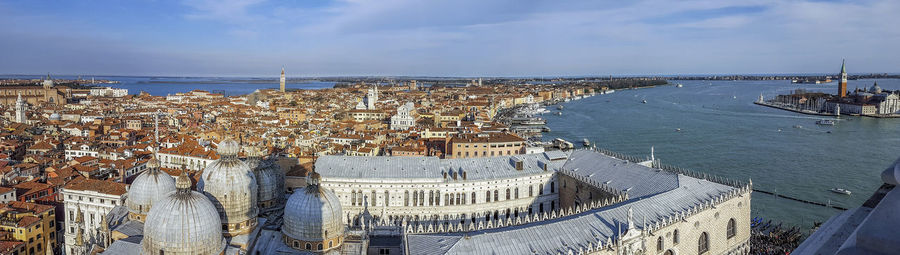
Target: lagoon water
(734, 138)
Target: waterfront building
(47, 92)
(281, 81)
(87, 203)
(108, 92)
(404, 118)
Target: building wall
(477, 150)
(435, 196)
(713, 222)
(573, 192)
(95, 206)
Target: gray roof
(639, 181)
(432, 168)
(662, 194)
(126, 246)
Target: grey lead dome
(313, 213)
(149, 187)
(184, 222)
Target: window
(540, 189)
(308, 246)
(731, 231)
(473, 198)
(319, 247)
(703, 243)
(530, 191)
(406, 198)
(487, 196)
(496, 195)
(516, 193)
(552, 187)
(660, 244)
(675, 238)
(507, 194)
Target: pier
(799, 200)
(793, 109)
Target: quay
(792, 109)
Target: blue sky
(447, 38)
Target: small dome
(269, 179)
(184, 222)
(875, 89)
(149, 187)
(228, 147)
(313, 215)
(231, 186)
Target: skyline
(254, 38)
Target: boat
(840, 191)
(679, 85)
(559, 107)
(825, 122)
(558, 113)
(644, 101)
(798, 126)
(585, 142)
(677, 130)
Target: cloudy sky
(447, 38)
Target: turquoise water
(734, 138)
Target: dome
(313, 216)
(184, 222)
(231, 186)
(875, 89)
(269, 179)
(149, 187)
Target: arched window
(421, 198)
(530, 191)
(703, 243)
(387, 201)
(415, 198)
(431, 197)
(496, 195)
(660, 244)
(540, 189)
(507, 194)
(473, 197)
(330, 243)
(552, 187)
(675, 237)
(319, 247)
(374, 198)
(731, 231)
(406, 198)
(516, 193)
(487, 196)
(308, 246)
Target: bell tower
(842, 86)
(282, 80)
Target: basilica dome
(231, 186)
(269, 179)
(183, 222)
(149, 187)
(312, 218)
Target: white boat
(585, 142)
(679, 85)
(644, 101)
(825, 122)
(840, 191)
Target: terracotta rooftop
(101, 186)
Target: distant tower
(48, 82)
(479, 81)
(20, 110)
(282, 79)
(842, 87)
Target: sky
(473, 38)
